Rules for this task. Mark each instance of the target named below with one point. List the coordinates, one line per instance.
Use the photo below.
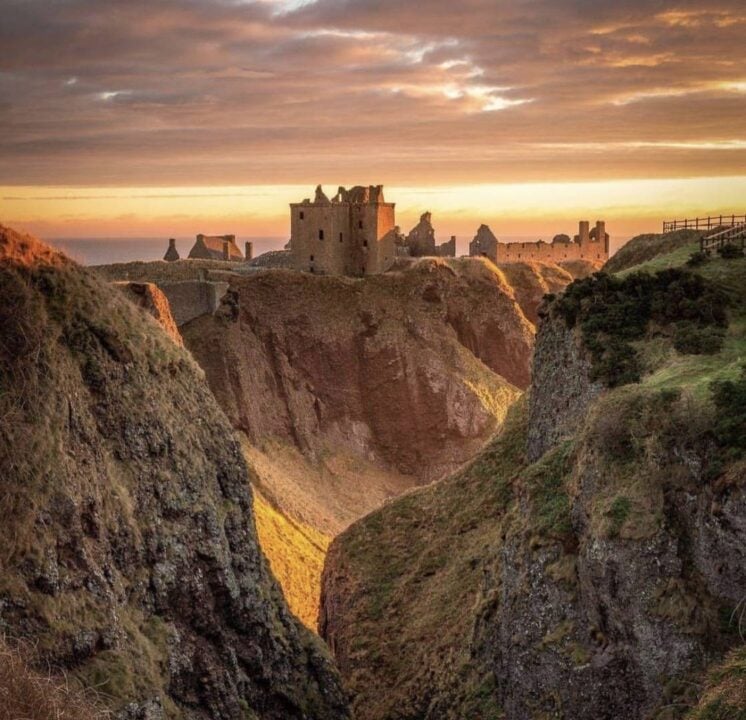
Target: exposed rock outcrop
(151, 299)
(407, 369)
(129, 551)
(561, 392)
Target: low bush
(618, 514)
(729, 428)
(730, 252)
(691, 339)
(614, 312)
(697, 258)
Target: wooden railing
(704, 223)
(735, 235)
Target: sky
(132, 118)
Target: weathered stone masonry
(588, 244)
(352, 234)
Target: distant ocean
(106, 250)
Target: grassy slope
(295, 552)
(26, 694)
(414, 569)
(644, 248)
(415, 573)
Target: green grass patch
(550, 502)
(618, 513)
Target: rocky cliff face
(595, 551)
(129, 551)
(562, 392)
(148, 297)
(412, 371)
(530, 281)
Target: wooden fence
(704, 223)
(735, 235)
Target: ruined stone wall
(378, 237)
(332, 254)
(191, 298)
(448, 248)
(552, 252)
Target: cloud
(212, 91)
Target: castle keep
(351, 234)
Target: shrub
(729, 427)
(618, 513)
(697, 258)
(730, 252)
(613, 312)
(692, 339)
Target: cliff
(530, 281)
(589, 564)
(129, 554)
(412, 370)
(351, 391)
(148, 297)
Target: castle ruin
(588, 244)
(420, 242)
(352, 234)
(216, 247)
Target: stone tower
(351, 234)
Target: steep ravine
(590, 564)
(129, 554)
(351, 391)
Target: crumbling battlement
(420, 242)
(592, 245)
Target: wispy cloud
(268, 91)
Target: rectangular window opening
(321, 234)
(301, 215)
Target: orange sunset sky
(170, 118)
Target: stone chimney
(249, 251)
(584, 234)
(172, 254)
(226, 250)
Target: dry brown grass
(29, 695)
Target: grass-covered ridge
(644, 249)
